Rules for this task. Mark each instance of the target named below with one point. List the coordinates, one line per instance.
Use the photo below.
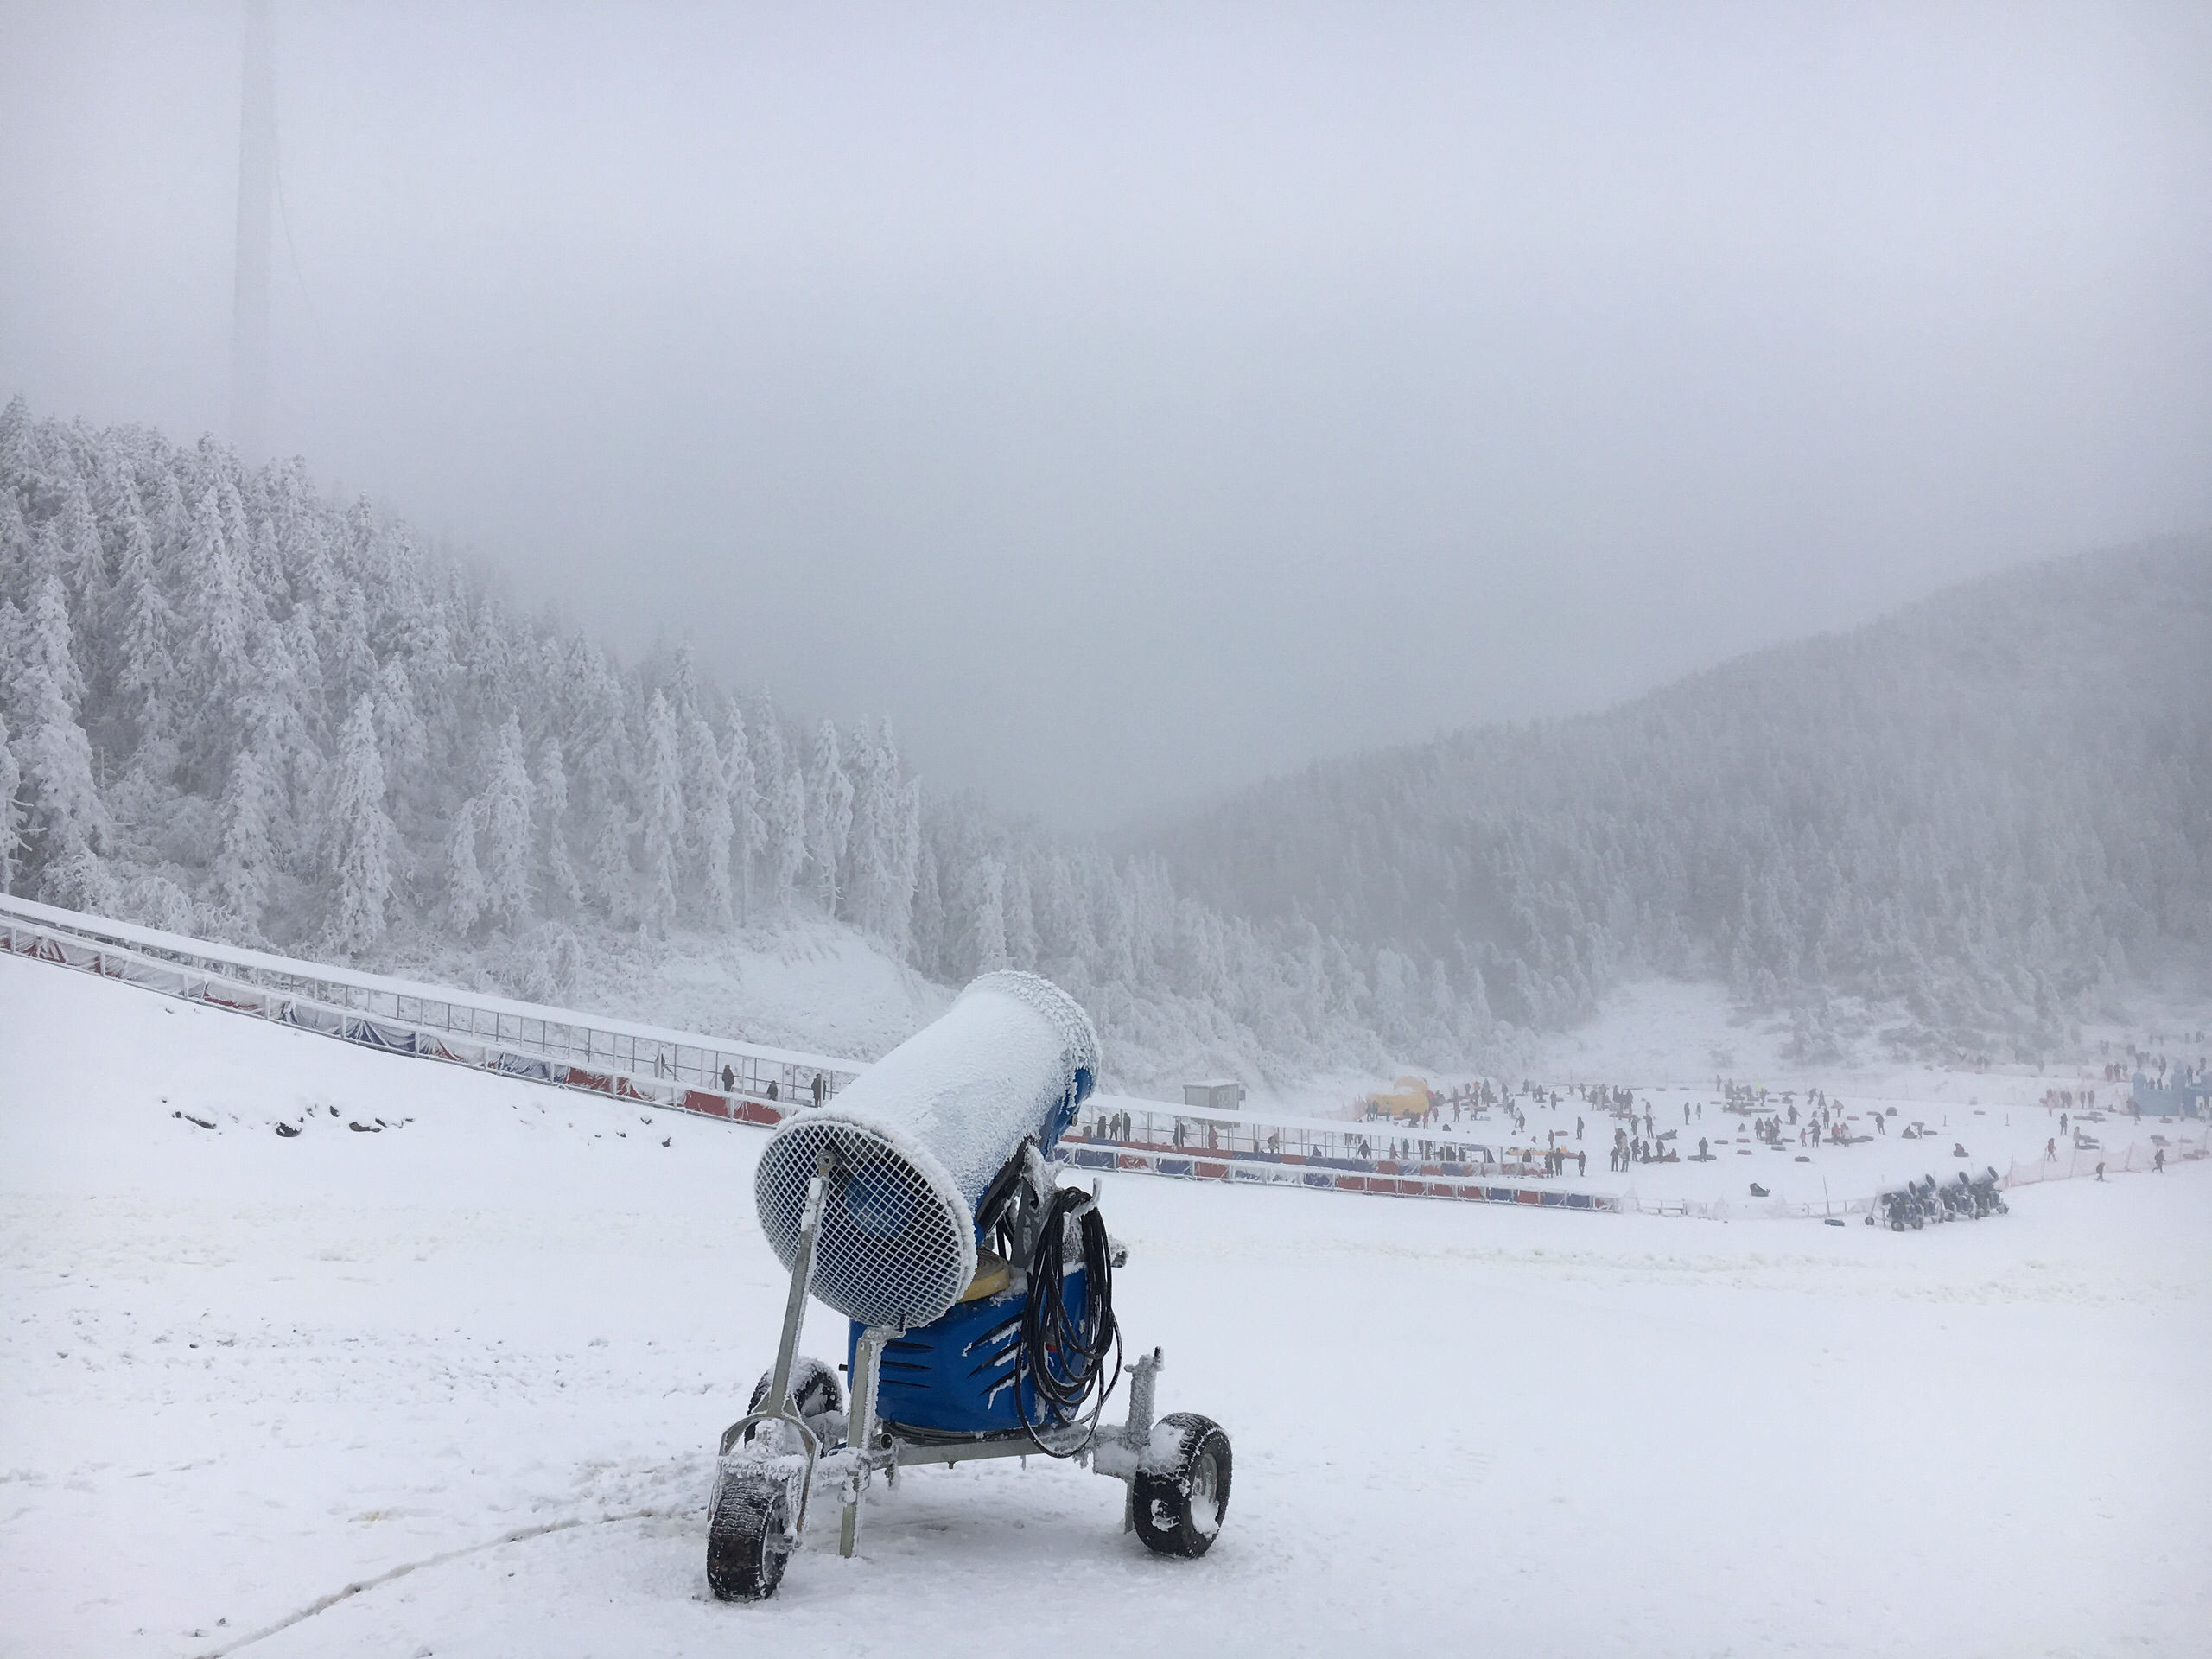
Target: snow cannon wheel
(745, 1536)
(815, 1393)
(1178, 1508)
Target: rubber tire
(745, 1529)
(815, 1390)
(1162, 1501)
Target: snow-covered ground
(238, 1373)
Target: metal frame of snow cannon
(1163, 1476)
(750, 1461)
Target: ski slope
(240, 1373)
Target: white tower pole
(256, 191)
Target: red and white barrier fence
(750, 1083)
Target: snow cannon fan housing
(919, 1138)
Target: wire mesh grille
(892, 1251)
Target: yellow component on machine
(994, 1273)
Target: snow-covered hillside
(230, 704)
(240, 1373)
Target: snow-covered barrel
(916, 1140)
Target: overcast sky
(1134, 400)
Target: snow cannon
(924, 1204)
(918, 1143)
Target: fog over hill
(1985, 810)
(234, 706)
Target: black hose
(1063, 1361)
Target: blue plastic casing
(956, 1374)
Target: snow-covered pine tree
(361, 835)
(1064, 933)
(662, 813)
(927, 947)
(66, 815)
(15, 545)
(246, 860)
(144, 625)
(860, 887)
(600, 741)
(401, 726)
(15, 443)
(614, 878)
(84, 561)
(1021, 920)
(986, 906)
(749, 831)
(830, 815)
(276, 709)
(220, 610)
(11, 811)
(711, 825)
(550, 793)
(907, 870)
(787, 811)
(504, 809)
(881, 869)
(466, 893)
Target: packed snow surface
(240, 1373)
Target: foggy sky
(1132, 401)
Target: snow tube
(916, 1140)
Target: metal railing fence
(660, 1066)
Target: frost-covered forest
(1974, 819)
(233, 706)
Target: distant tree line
(1990, 811)
(230, 705)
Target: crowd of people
(1493, 1124)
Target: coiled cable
(1065, 1359)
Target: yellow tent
(1410, 1099)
